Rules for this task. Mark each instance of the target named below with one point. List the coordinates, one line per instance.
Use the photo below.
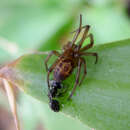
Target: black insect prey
(53, 93)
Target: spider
(71, 57)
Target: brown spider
(71, 58)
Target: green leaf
(40, 112)
(103, 99)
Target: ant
(54, 104)
(71, 58)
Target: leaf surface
(103, 99)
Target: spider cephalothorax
(71, 58)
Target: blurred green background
(42, 25)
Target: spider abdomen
(63, 69)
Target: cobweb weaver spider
(71, 58)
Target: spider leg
(85, 71)
(52, 67)
(84, 36)
(77, 78)
(48, 74)
(49, 56)
(49, 71)
(89, 45)
(90, 54)
(78, 28)
(78, 31)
